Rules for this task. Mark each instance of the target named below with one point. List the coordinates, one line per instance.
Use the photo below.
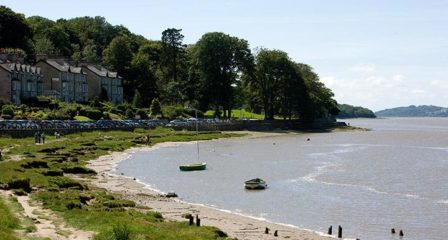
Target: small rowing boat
(255, 184)
(193, 167)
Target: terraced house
(100, 78)
(64, 81)
(19, 82)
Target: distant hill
(349, 111)
(414, 111)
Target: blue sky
(377, 54)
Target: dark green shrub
(142, 113)
(78, 170)
(73, 205)
(8, 110)
(93, 114)
(83, 198)
(21, 183)
(220, 234)
(35, 164)
(129, 113)
(121, 232)
(19, 192)
(53, 173)
(63, 182)
(119, 203)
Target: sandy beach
(235, 225)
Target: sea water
(394, 176)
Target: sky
(373, 53)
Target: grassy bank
(41, 171)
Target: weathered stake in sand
(236, 226)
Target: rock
(171, 195)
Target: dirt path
(48, 224)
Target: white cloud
(378, 92)
(363, 67)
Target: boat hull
(255, 184)
(193, 167)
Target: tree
(137, 100)
(276, 84)
(172, 49)
(155, 108)
(43, 45)
(89, 52)
(145, 71)
(118, 55)
(14, 30)
(320, 102)
(44, 28)
(220, 60)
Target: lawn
(239, 114)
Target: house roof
(10, 67)
(63, 66)
(102, 71)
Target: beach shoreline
(234, 224)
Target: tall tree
(118, 55)
(320, 101)
(220, 60)
(173, 66)
(172, 49)
(14, 30)
(145, 71)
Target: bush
(142, 113)
(85, 198)
(22, 183)
(19, 192)
(73, 205)
(7, 111)
(155, 109)
(93, 114)
(172, 111)
(35, 164)
(78, 170)
(118, 203)
(121, 232)
(63, 182)
(129, 113)
(4, 102)
(53, 173)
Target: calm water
(367, 182)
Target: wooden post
(198, 221)
(330, 230)
(340, 232)
(191, 220)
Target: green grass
(88, 207)
(82, 118)
(8, 222)
(237, 113)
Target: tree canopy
(14, 30)
(218, 72)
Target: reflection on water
(367, 182)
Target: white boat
(254, 184)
